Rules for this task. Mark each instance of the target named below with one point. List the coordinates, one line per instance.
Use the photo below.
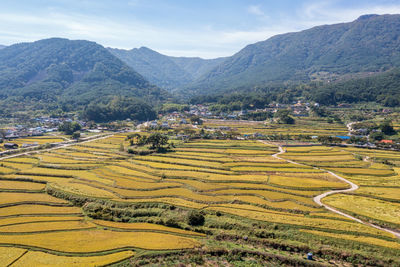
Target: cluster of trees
(257, 116)
(157, 141)
(71, 128)
(381, 88)
(120, 108)
(171, 107)
(283, 116)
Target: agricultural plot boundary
(318, 198)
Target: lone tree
(284, 117)
(137, 139)
(387, 128)
(157, 141)
(76, 135)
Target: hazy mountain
(165, 71)
(196, 66)
(369, 44)
(157, 68)
(73, 72)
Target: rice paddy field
(37, 140)
(92, 204)
(303, 126)
(377, 199)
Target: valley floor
(91, 203)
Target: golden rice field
(37, 258)
(377, 199)
(17, 185)
(37, 209)
(233, 178)
(40, 140)
(357, 238)
(90, 241)
(368, 207)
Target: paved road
(318, 198)
(58, 146)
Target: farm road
(318, 198)
(58, 146)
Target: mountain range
(73, 72)
(62, 72)
(330, 52)
(164, 71)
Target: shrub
(195, 218)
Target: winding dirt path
(318, 198)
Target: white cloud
(325, 12)
(206, 41)
(256, 10)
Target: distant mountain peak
(164, 71)
(367, 45)
(58, 69)
(367, 16)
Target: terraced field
(377, 199)
(93, 204)
(302, 127)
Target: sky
(203, 28)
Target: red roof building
(386, 141)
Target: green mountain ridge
(369, 44)
(54, 71)
(164, 71)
